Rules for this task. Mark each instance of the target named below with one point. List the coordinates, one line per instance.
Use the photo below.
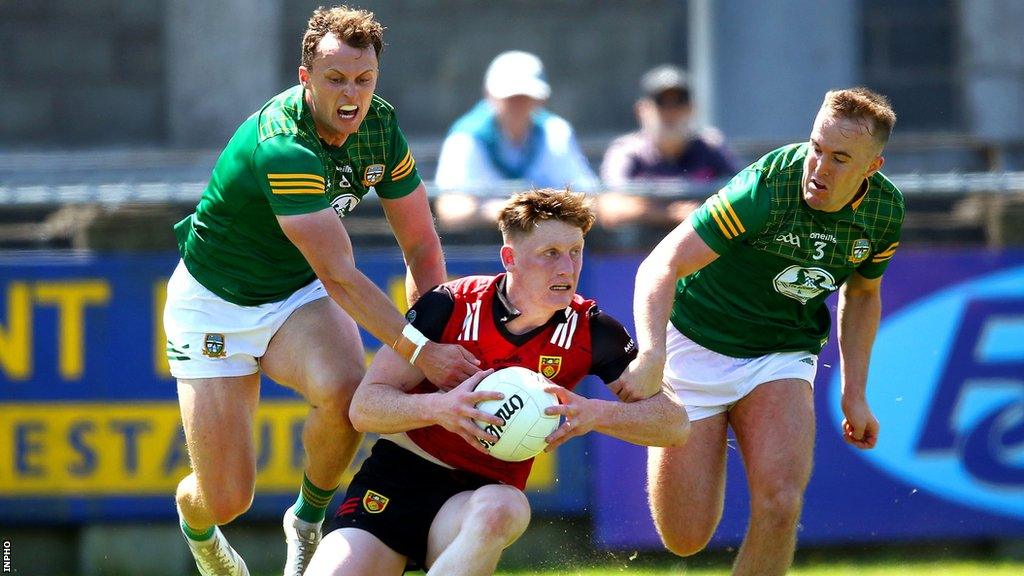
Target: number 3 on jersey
(819, 250)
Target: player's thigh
(217, 415)
(686, 484)
(774, 426)
(317, 352)
(504, 505)
(354, 552)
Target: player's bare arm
(323, 241)
(860, 309)
(659, 420)
(679, 254)
(382, 404)
(410, 219)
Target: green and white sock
(190, 532)
(196, 535)
(313, 501)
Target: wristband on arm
(413, 335)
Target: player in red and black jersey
(429, 496)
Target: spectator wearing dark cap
(509, 136)
(668, 145)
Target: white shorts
(209, 337)
(710, 383)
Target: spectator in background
(668, 145)
(510, 136)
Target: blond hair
(353, 26)
(525, 210)
(863, 104)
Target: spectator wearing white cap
(509, 136)
(668, 144)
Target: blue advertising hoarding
(947, 385)
(89, 423)
(89, 429)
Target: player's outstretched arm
(413, 225)
(659, 420)
(679, 254)
(322, 239)
(383, 403)
(860, 311)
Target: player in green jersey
(268, 283)
(730, 309)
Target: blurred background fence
(113, 114)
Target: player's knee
(500, 513)
(334, 391)
(688, 532)
(685, 542)
(780, 504)
(227, 506)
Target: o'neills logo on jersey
(860, 251)
(550, 366)
(803, 284)
(374, 173)
(344, 204)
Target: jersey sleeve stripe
(297, 184)
(296, 190)
(403, 168)
(401, 165)
(714, 209)
(888, 252)
(403, 174)
(730, 212)
(316, 177)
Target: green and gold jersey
(779, 259)
(276, 165)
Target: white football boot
(302, 538)
(215, 557)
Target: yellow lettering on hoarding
(16, 337)
(71, 298)
(138, 448)
(160, 365)
(396, 290)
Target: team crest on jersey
(550, 366)
(803, 284)
(374, 173)
(213, 345)
(374, 503)
(861, 249)
(344, 204)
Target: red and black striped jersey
(472, 312)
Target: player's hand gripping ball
(522, 409)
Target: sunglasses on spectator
(671, 99)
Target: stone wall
(129, 72)
(81, 73)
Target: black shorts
(395, 496)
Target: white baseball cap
(516, 73)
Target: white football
(522, 409)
